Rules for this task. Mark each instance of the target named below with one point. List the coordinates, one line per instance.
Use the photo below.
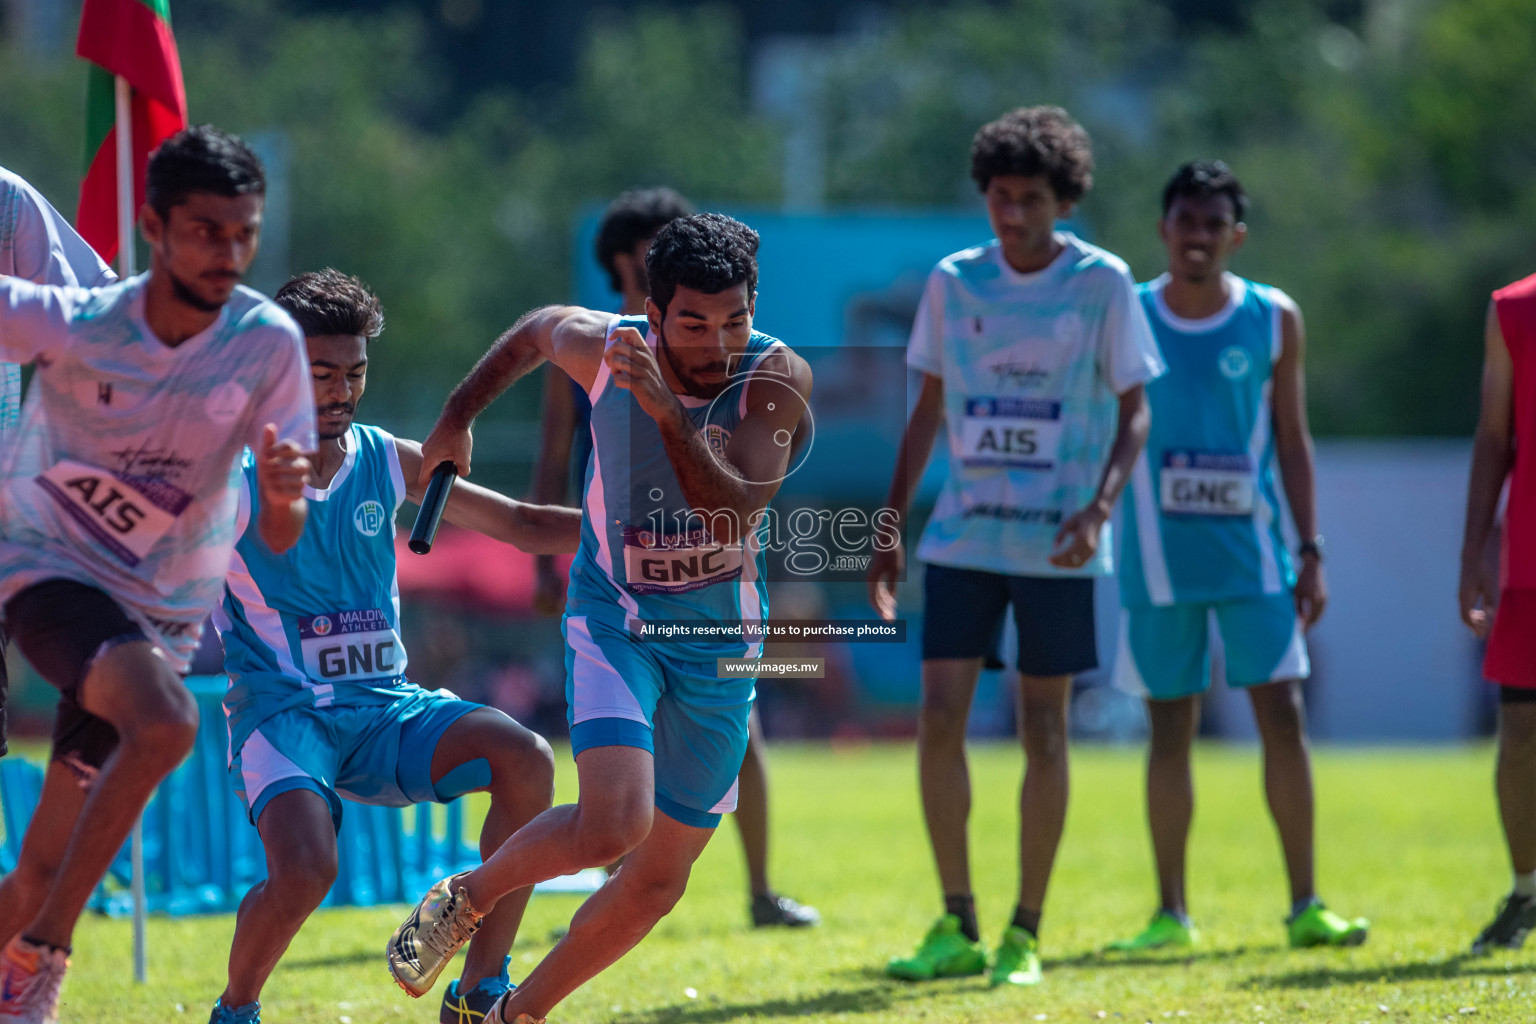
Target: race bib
(1017, 433)
(126, 514)
(676, 564)
(1206, 484)
(350, 646)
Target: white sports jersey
(125, 470)
(37, 243)
(1032, 366)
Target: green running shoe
(1165, 931)
(1017, 961)
(943, 953)
(1319, 926)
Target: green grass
(1408, 838)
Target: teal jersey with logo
(319, 624)
(1032, 365)
(644, 558)
(1202, 510)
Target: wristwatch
(1313, 547)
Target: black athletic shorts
(964, 611)
(1517, 695)
(62, 626)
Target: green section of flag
(100, 111)
(162, 8)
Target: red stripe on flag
(96, 219)
(128, 39)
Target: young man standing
(1034, 352)
(693, 415)
(629, 225)
(1203, 550)
(319, 705)
(117, 511)
(1504, 610)
(38, 245)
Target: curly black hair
(632, 218)
(708, 252)
(1031, 141)
(1201, 179)
(330, 302)
(201, 159)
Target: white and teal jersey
(1032, 366)
(125, 472)
(643, 559)
(38, 244)
(1202, 511)
(319, 624)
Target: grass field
(1407, 837)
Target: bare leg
(612, 816)
(300, 842)
(752, 808)
(1171, 792)
(1516, 783)
(614, 918)
(522, 786)
(1043, 798)
(944, 777)
(1278, 713)
(131, 687)
(23, 890)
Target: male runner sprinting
(1504, 610)
(565, 444)
(693, 414)
(117, 507)
(1203, 550)
(1035, 351)
(37, 244)
(319, 705)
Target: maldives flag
(131, 38)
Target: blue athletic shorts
(621, 692)
(964, 611)
(1166, 651)
(372, 753)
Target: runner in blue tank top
(319, 705)
(1203, 550)
(693, 419)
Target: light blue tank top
(320, 623)
(643, 559)
(1202, 512)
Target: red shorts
(1511, 657)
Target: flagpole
(125, 270)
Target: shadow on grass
(864, 1000)
(1147, 959)
(1459, 966)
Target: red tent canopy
(470, 569)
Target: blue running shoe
(250, 1013)
(471, 1007)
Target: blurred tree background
(442, 149)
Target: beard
(691, 385)
(347, 410)
(187, 297)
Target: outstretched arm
(1293, 450)
(569, 336)
(536, 529)
(1493, 454)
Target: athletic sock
(1525, 885)
(963, 906)
(1302, 905)
(40, 944)
(1178, 915)
(1029, 920)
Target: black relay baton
(432, 505)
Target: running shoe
(1166, 931)
(1510, 926)
(30, 978)
(438, 927)
(471, 1007)
(943, 953)
(1017, 961)
(250, 1013)
(1319, 926)
(493, 1015)
(772, 909)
